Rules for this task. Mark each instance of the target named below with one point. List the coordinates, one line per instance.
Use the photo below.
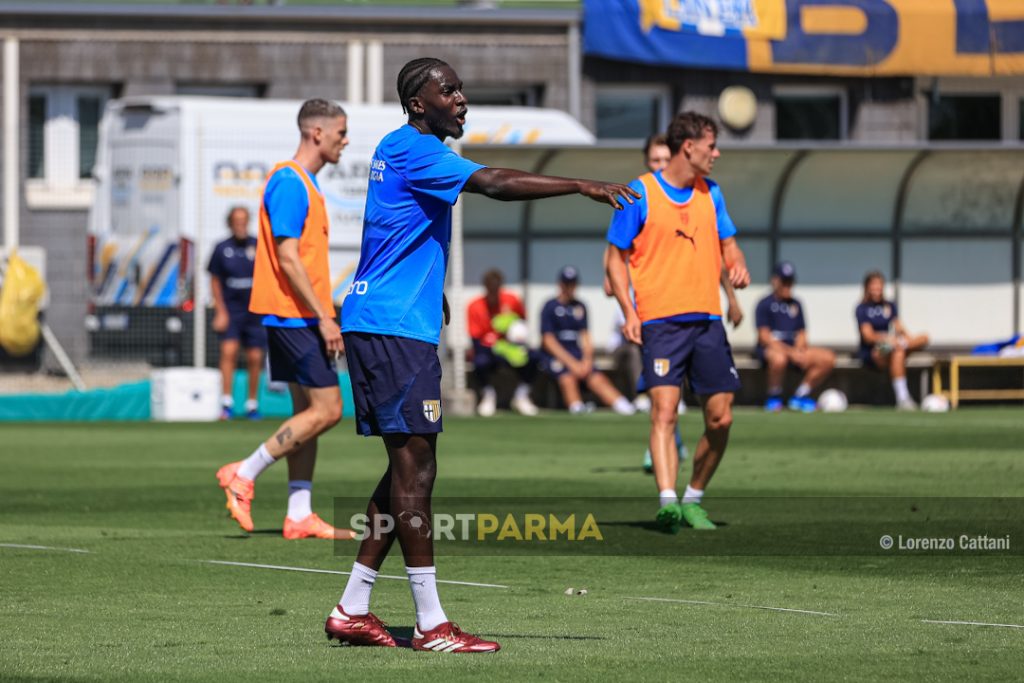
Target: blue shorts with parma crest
(299, 355)
(396, 384)
(698, 350)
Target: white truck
(169, 169)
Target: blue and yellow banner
(842, 37)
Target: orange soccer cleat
(239, 493)
(312, 526)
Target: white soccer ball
(935, 403)
(518, 332)
(832, 401)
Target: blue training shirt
(287, 204)
(627, 224)
(398, 286)
(783, 317)
(232, 263)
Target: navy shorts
(698, 350)
(396, 384)
(554, 367)
(247, 328)
(299, 355)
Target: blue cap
(784, 270)
(569, 274)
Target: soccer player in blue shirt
(391, 323)
(231, 283)
(782, 341)
(568, 355)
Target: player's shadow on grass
(255, 532)
(651, 525)
(403, 636)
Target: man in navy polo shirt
(231, 266)
(782, 342)
(568, 355)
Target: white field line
(970, 623)
(340, 573)
(726, 604)
(43, 547)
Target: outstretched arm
(509, 185)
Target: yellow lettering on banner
(510, 529)
(534, 526)
(568, 527)
(590, 530)
(771, 20)
(833, 20)
(485, 524)
(926, 43)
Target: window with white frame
(631, 112)
(63, 131)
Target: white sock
(667, 497)
(300, 499)
(576, 407)
(356, 599)
(775, 391)
(423, 582)
(803, 390)
(254, 465)
(692, 495)
(251, 405)
(899, 385)
(523, 391)
(622, 406)
(226, 401)
(488, 393)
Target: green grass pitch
(141, 498)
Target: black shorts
(396, 384)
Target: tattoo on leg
(284, 435)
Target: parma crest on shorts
(432, 410)
(661, 366)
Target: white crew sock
(899, 385)
(803, 390)
(227, 401)
(300, 499)
(622, 406)
(577, 407)
(667, 497)
(489, 393)
(692, 495)
(254, 465)
(522, 391)
(423, 582)
(356, 599)
(251, 405)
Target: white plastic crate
(185, 395)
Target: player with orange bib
(671, 244)
(291, 289)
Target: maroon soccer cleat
(363, 629)
(448, 637)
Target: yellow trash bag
(20, 294)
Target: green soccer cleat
(670, 518)
(696, 516)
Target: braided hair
(414, 75)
